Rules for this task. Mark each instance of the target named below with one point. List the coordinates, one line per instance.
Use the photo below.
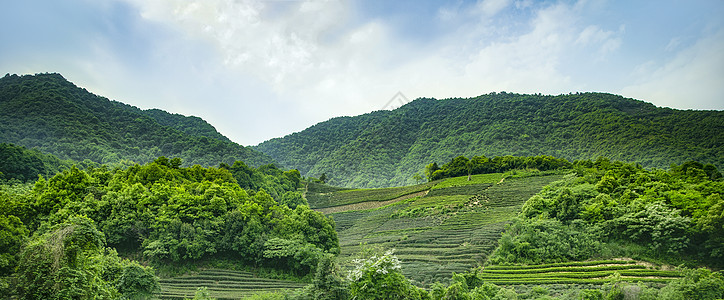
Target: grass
(345, 197)
(453, 225)
(451, 228)
(222, 284)
(592, 272)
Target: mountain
(51, 114)
(385, 148)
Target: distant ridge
(385, 148)
(47, 112)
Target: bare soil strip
(368, 204)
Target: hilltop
(51, 114)
(386, 148)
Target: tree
(323, 178)
(60, 264)
(328, 284)
(417, 178)
(380, 277)
(136, 281)
(12, 235)
(430, 170)
(696, 284)
(293, 199)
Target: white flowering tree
(380, 277)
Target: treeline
(50, 114)
(23, 164)
(619, 209)
(65, 229)
(462, 166)
(385, 148)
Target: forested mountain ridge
(47, 112)
(385, 148)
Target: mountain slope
(47, 112)
(20, 163)
(386, 148)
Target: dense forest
(48, 113)
(386, 148)
(22, 164)
(622, 209)
(61, 236)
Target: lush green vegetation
(60, 235)
(350, 196)
(387, 148)
(379, 276)
(557, 230)
(451, 228)
(22, 164)
(221, 283)
(461, 165)
(48, 113)
(610, 208)
(86, 221)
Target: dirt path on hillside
(368, 204)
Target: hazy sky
(263, 69)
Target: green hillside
(48, 113)
(596, 228)
(385, 148)
(440, 228)
(23, 164)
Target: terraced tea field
(449, 226)
(222, 284)
(336, 197)
(591, 272)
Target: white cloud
(321, 74)
(605, 41)
(691, 80)
(491, 7)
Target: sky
(257, 70)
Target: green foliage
(12, 235)
(380, 277)
(50, 114)
(461, 166)
(18, 162)
(662, 228)
(137, 281)
(696, 284)
(328, 283)
(449, 229)
(161, 212)
(202, 293)
(544, 240)
(611, 202)
(385, 148)
(269, 178)
(350, 196)
(68, 261)
(293, 199)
